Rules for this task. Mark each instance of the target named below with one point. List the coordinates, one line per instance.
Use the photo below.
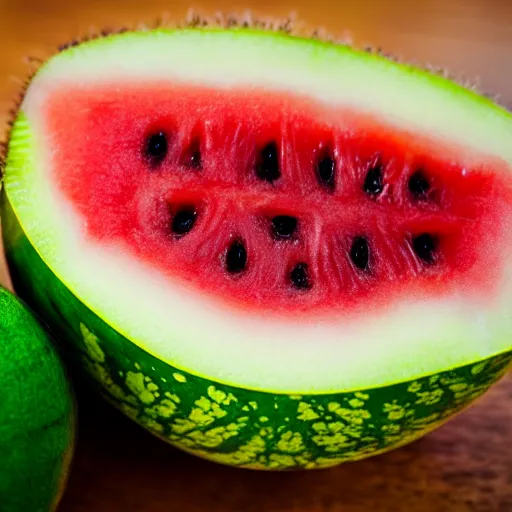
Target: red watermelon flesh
(276, 202)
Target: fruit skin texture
(37, 414)
(235, 426)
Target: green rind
(236, 426)
(36, 413)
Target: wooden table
(464, 466)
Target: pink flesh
(99, 134)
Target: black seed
(325, 172)
(236, 257)
(418, 185)
(424, 246)
(360, 253)
(184, 220)
(156, 147)
(284, 226)
(268, 165)
(299, 277)
(373, 183)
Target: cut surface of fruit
(254, 209)
(36, 413)
(237, 205)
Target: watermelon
(37, 414)
(271, 251)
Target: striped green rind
(232, 425)
(36, 413)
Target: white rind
(334, 74)
(195, 334)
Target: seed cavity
(284, 226)
(360, 253)
(236, 257)
(418, 185)
(325, 172)
(299, 277)
(267, 168)
(374, 181)
(192, 158)
(183, 220)
(424, 246)
(156, 148)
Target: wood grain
(465, 466)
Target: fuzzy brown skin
(288, 25)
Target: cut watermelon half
(262, 212)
